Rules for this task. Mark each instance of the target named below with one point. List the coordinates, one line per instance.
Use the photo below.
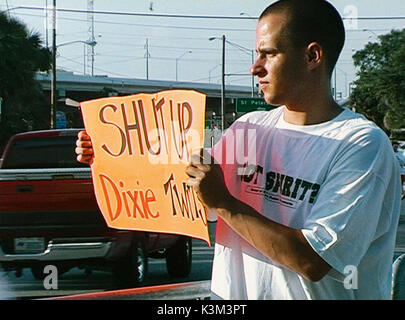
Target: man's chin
(271, 99)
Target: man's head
(298, 42)
(312, 21)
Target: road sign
(252, 104)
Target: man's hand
(84, 148)
(207, 180)
(285, 245)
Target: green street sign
(252, 104)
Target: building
(75, 87)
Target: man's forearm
(284, 245)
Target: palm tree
(22, 55)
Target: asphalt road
(76, 281)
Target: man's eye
(266, 54)
(270, 53)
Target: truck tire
(178, 258)
(133, 268)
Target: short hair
(312, 21)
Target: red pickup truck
(49, 216)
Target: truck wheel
(178, 258)
(132, 269)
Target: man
(312, 214)
(307, 195)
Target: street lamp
(222, 82)
(53, 79)
(372, 32)
(210, 71)
(223, 71)
(345, 74)
(178, 58)
(251, 52)
(90, 43)
(247, 15)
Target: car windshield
(45, 152)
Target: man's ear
(315, 55)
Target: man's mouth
(263, 84)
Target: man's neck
(318, 111)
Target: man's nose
(257, 69)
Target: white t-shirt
(337, 181)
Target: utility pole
(53, 80)
(177, 62)
(253, 77)
(46, 24)
(147, 55)
(91, 39)
(334, 80)
(222, 82)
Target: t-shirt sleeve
(348, 214)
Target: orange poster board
(142, 144)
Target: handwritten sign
(142, 144)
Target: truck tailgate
(46, 190)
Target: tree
(379, 91)
(23, 105)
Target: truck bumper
(69, 251)
(74, 249)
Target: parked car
(49, 215)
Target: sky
(179, 48)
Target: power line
(128, 76)
(143, 14)
(190, 16)
(178, 27)
(167, 48)
(148, 25)
(96, 68)
(190, 25)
